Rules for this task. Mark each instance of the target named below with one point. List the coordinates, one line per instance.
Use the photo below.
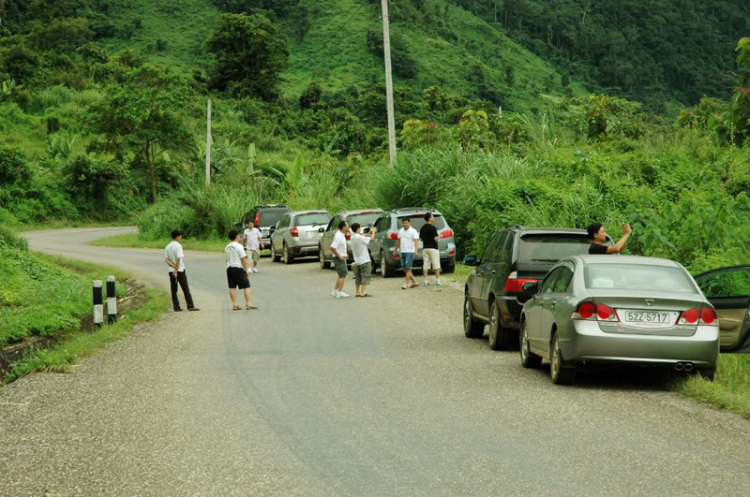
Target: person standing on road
(408, 245)
(599, 236)
(363, 268)
(431, 253)
(175, 258)
(338, 249)
(253, 239)
(237, 271)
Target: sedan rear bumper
(589, 344)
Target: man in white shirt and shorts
(363, 268)
(408, 246)
(175, 258)
(237, 271)
(253, 239)
(338, 249)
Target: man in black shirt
(599, 236)
(431, 253)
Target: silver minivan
(298, 234)
(365, 218)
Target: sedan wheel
(560, 375)
(500, 338)
(472, 327)
(528, 360)
(274, 255)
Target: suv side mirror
(530, 287)
(321, 230)
(471, 261)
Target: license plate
(264, 231)
(312, 234)
(648, 317)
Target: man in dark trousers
(175, 258)
(599, 236)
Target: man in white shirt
(338, 249)
(253, 239)
(408, 245)
(361, 255)
(175, 258)
(237, 271)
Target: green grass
(461, 274)
(730, 390)
(76, 345)
(62, 223)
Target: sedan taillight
(697, 316)
(591, 311)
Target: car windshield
(364, 219)
(637, 277)
(551, 247)
(269, 217)
(417, 221)
(312, 219)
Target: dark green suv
(516, 255)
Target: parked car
(297, 234)
(264, 217)
(383, 247)
(728, 290)
(514, 256)
(626, 309)
(366, 218)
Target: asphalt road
(312, 395)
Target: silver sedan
(618, 309)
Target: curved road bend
(316, 396)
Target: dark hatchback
(516, 255)
(264, 217)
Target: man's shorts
(407, 260)
(431, 259)
(340, 266)
(237, 278)
(254, 255)
(362, 274)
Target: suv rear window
(418, 221)
(550, 248)
(364, 219)
(269, 217)
(312, 219)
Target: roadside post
(98, 304)
(111, 300)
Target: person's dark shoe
(178, 310)
(193, 309)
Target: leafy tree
(13, 167)
(250, 53)
(89, 180)
(142, 116)
(741, 98)
(311, 96)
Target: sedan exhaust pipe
(688, 367)
(679, 367)
(684, 366)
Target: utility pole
(208, 145)
(389, 84)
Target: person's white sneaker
(341, 295)
(426, 282)
(255, 270)
(333, 292)
(438, 281)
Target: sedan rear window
(637, 277)
(550, 248)
(312, 219)
(418, 221)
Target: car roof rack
(267, 206)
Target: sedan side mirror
(321, 230)
(471, 261)
(530, 287)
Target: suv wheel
(528, 360)
(274, 255)
(560, 374)
(472, 327)
(500, 338)
(385, 271)
(324, 264)
(288, 258)
(449, 269)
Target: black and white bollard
(98, 303)
(111, 300)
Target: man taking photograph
(599, 236)
(363, 268)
